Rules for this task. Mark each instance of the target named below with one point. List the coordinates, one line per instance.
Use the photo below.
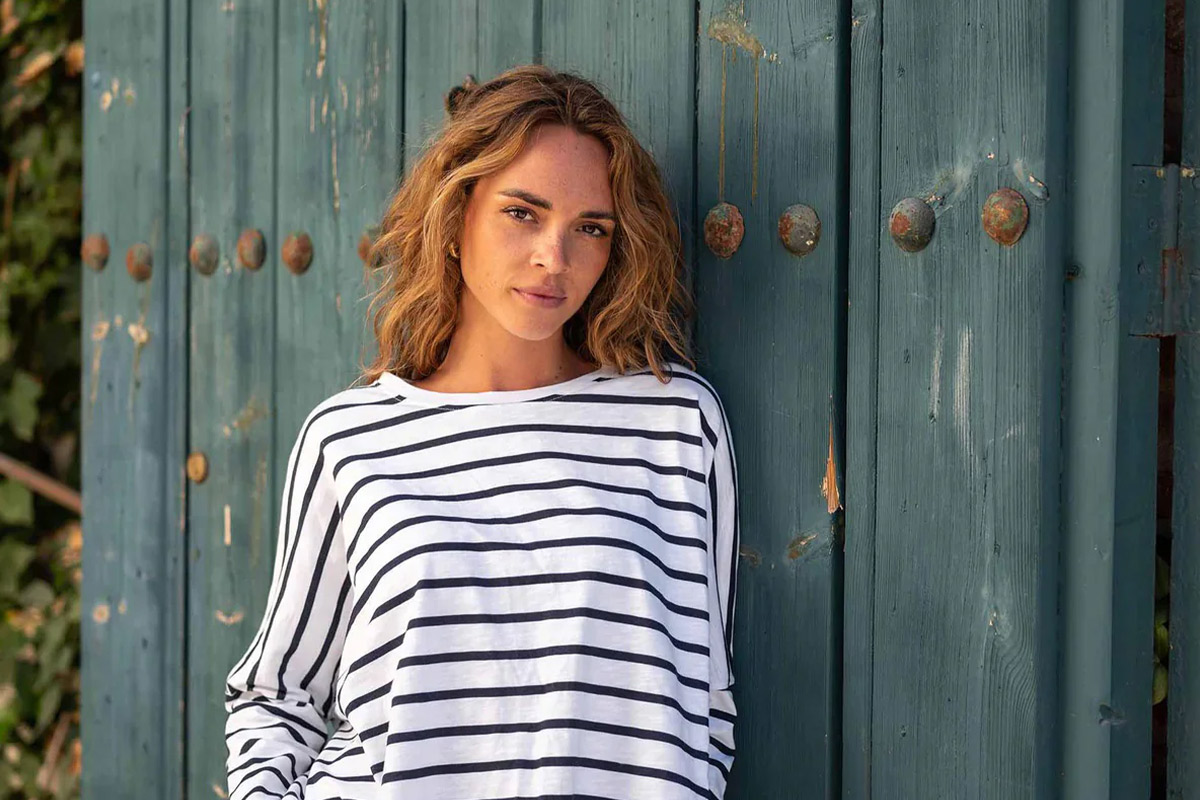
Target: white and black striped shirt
(505, 594)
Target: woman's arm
(722, 590)
(278, 695)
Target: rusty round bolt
(203, 254)
(911, 224)
(800, 229)
(251, 248)
(367, 241)
(297, 252)
(197, 467)
(94, 251)
(139, 261)
(723, 229)
(1005, 215)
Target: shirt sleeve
(277, 696)
(722, 593)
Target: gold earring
(453, 251)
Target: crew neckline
(413, 392)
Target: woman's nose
(552, 252)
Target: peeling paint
(1036, 188)
(101, 613)
(137, 331)
(250, 413)
(230, 619)
(228, 532)
(257, 496)
(796, 547)
(752, 556)
(829, 487)
(324, 22)
(729, 26)
(962, 393)
(337, 194)
(99, 332)
(122, 607)
(935, 377)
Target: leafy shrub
(41, 61)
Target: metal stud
(204, 253)
(251, 248)
(800, 229)
(139, 261)
(1005, 216)
(723, 229)
(297, 252)
(197, 467)
(94, 251)
(911, 224)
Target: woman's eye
(597, 231)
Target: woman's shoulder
(344, 408)
(683, 382)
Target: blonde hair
(640, 306)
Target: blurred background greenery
(41, 61)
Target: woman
(506, 565)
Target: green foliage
(41, 61)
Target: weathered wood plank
(133, 415)
(1136, 452)
(770, 134)
(967, 426)
(231, 514)
(441, 50)
(1183, 694)
(862, 366)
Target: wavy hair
(639, 309)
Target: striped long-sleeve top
(501, 594)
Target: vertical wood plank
(441, 49)
(769, 333)
(867, 235)
(230, 514)
(135, 90)
(967, 426)
(1136, 451)
(1183, 693)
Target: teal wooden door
(946, 568)
(280, 123)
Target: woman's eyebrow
(541, 202)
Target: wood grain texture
(768, 334)
(231, 395)
(966, 492)
(1183, 694)
(1136, 452)
(868, 234)
(132, 419)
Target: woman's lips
(541, 301)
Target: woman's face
(536, 237)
